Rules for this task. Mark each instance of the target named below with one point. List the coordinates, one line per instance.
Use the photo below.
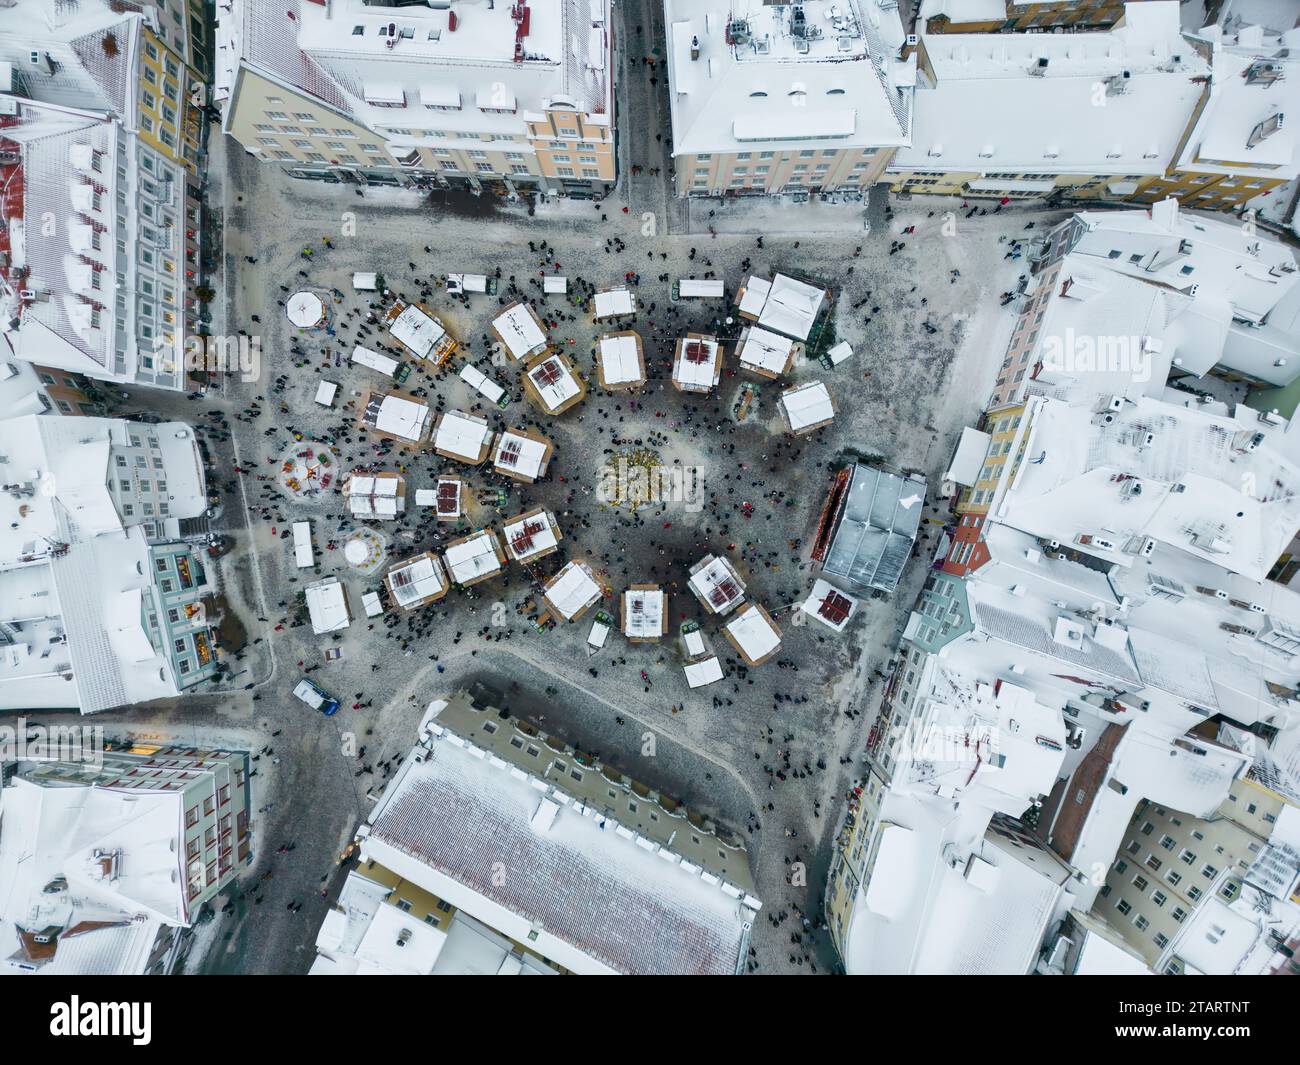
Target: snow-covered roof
(572, 590)
(80, 613)
(555, 383)
(327, 603)
(365, 934)
(994, 744)
(715, 582)
(520, 454)
(462, 435)
(1243, 287)
(753, 633)
(968, 458)
(960, 11)
(520, 331)
(1115, 101)
(416, 331)
(879, 515)
(416, 581)
(1240, 129)
(1103, 332)
(92, 50)
(486, 72)
(402, 417)
(57, 831)
(743, 73)
(944, 898)
(381, 495)
(531, 534)
(697, 363)
(613, 302)
(473, 557)
(590, 894)
(621, 361)
(1156, 470)
(765, 352)
(808, 405)
(706, 671)
(62, 174)
(829, 605)
(645, 613)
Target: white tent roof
(416, 331)
(765, 350)
(698, 374)
(304, 309)
(475, 557)
(706, 672)
(461, 434)
(574, 590)
(529, 454)
(718, 584)
(808, 405)
(519, 331)
(614, 302)
(366, 357)
(415, 580)
(701, 288)
(328, 606)
(753, 632)
(402, 417)
(374, 496)
(564, 388)
(478, 380)
(829, 605)
(619, 359)
(643, 612)
(792, 307)
(537, 528)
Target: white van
(700, 288)
(483, 384)
(365, 357)
(459, 283)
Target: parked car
(316, 697)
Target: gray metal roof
(877, 528)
